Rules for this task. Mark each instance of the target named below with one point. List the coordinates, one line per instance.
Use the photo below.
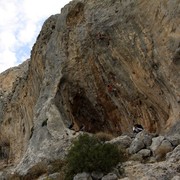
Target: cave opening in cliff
(74, 105)
(85, 114)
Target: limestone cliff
(102, 64)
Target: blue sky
(20, 24)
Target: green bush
(89, 154)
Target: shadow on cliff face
(85, 114)
(76, 108)
(4, 149)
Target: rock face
(15, 108)
(102, 64)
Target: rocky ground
(150, 158)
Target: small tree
(89, 154)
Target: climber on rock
(110, 88)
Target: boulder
(166, 144)
(142, 140)
(174, 156)
(145, 153)
(54, 176)
(145, 137)
(161, 151)
(82, 176)
(156, 142)
(123, 141)
(110, 176)
(174, 139)
(96, 175)
(136, 146)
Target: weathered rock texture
(102, 64)
(14, 111)
(167, 169)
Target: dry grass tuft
(56, 166)
(33, 173)
(103, 136)
(161, 152)
(42, 168)
(15, 176)
(36, 171)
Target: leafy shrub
(89, 154)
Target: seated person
(137, 128)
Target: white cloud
(20, 23)
(6, 63)
(27, 33)
(7, 40)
